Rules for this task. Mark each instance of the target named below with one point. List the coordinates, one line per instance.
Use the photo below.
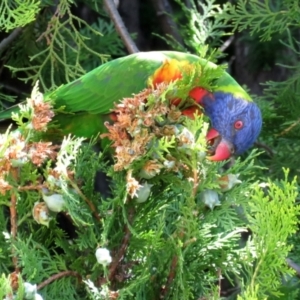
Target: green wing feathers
(96, 91)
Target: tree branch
(265, 147)
(8, 40)
(188, 4)
(13, 220)
(121, 252)
(227, 43)
(120, 27)
(89, 203)
(293, 265)
(58, 276)
(164, 14)
(165, 289)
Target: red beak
(220, 148)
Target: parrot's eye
(238, 124)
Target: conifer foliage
(169, 223)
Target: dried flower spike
(42, 111)
(39, 152)
(132, 185)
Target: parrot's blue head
(236, 124)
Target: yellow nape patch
(170, 70)
(236, 90)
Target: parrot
(235, 118)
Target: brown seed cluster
(40, 119)
(42, 112)
(17, 153)
(41, 151)
(15, 150)
(142, 123)
(135, 126)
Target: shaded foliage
(172, 246)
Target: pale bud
(29, 290)
(16, 163)
(210, 198)
(186, 140)
(169, 164)
(103, 256)
(37, 297)
(143, 192)
(185, 137)
(55, 202)
(201, 155)
(53, 181)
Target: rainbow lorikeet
(235, 119)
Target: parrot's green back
(93, 95)
(96, 91)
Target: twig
(190, 241)
(188, 4)
(13, 219)
(265, 147)
(293, 265)
(219, 273)
(8, 40)
(89, 203)
(285, 131)
(58, 276)
(171, 276)
(226, 44)
(49, 27)
(164, 13)
(120, 26)
(32, 187)
(230, 291)
(195, 183)
(119, 256)
(11, 88)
